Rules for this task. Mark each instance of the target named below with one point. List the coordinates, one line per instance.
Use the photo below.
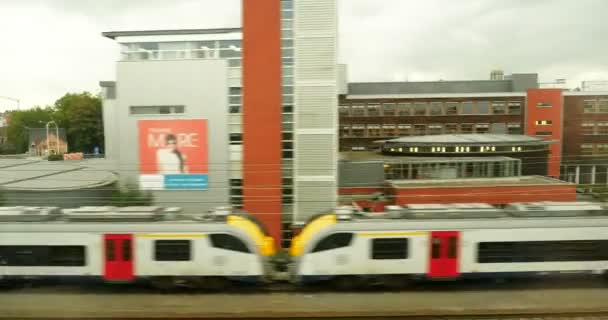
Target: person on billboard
(170, 159)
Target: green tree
(20, 122)
(130, 195)
(81, 116)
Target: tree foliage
(130, 195)
(80, 114)
(20, 122)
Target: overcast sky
(50, 47)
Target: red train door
(118, 257)
(444, 255)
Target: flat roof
(138, 33)
(469, 139)
(486, 182)
(368, 156)
(42, 175)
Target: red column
(262, 111)
(542, 105)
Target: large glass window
(172, 250)
(603, 106)
(589, 106)
(514, 128)
(373, 110)
(345, 131)
(228, 242)
(588, 128)
(420, 108)
(357, 111)
(587, 149)
(334, 241)
(405, 130)
(602, 128)
(436, 109)
(405, 109)
(358, 130)
(344, 110)
(451, 108)
(466, 108)
(142, 110)
(498, 107)
(466, 128)
(389, 248)
(419, 129)
(542, 251)
(389, 109)
(373, 130)
(451, 128)
(602, 149)
(388, 130)
(48, 256)
(482, 128)
(435, 129)
(515, 107)
(483, 107)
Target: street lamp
(12, 99)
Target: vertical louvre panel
(312, 154)
(315, 78)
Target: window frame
(401, 253)
(318, 247)
(172, 255)
(242, 245)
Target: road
(572, 295)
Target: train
(344, 246)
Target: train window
(436, 248)
(228, 242)
(390, 248)
(110, 250)
(334, 241)
(48, 256)
(172, 250)
(126, 250)
(452, 247)
(542, 251)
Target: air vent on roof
(28, 214)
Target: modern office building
(252, 112)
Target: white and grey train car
(126, 244)
(451, 241)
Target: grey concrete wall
(201, 86)
(63, 199)
(360, 174)
(524, 81)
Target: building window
(544, 133)
(357, 111)
(544, 105)
(388, 109)
(344, 110)
(236, 139)
(514, 128)
(435, 129)
(466, 128)
(436, 109)
(172, 250)
(544, 122)
(420, 108)
(358, 130)
(451, 108)
(603, 106)
(373, 110)
(587, 149)
(405, 109)
(515, 108)
(483, 107)
(498, 107)
(334, 241)
(389, 249)
(142, 110)
(451, 128)
(602, 149)
(466, 108)
(419, 129)
(228, 242)
(234, 109)
(373, 130)
(602, 128)
(388, 130)
(404, 130)
(588, 128)
(345, 131)
(589, 106)
(482, 128)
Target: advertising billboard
(173, 154)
